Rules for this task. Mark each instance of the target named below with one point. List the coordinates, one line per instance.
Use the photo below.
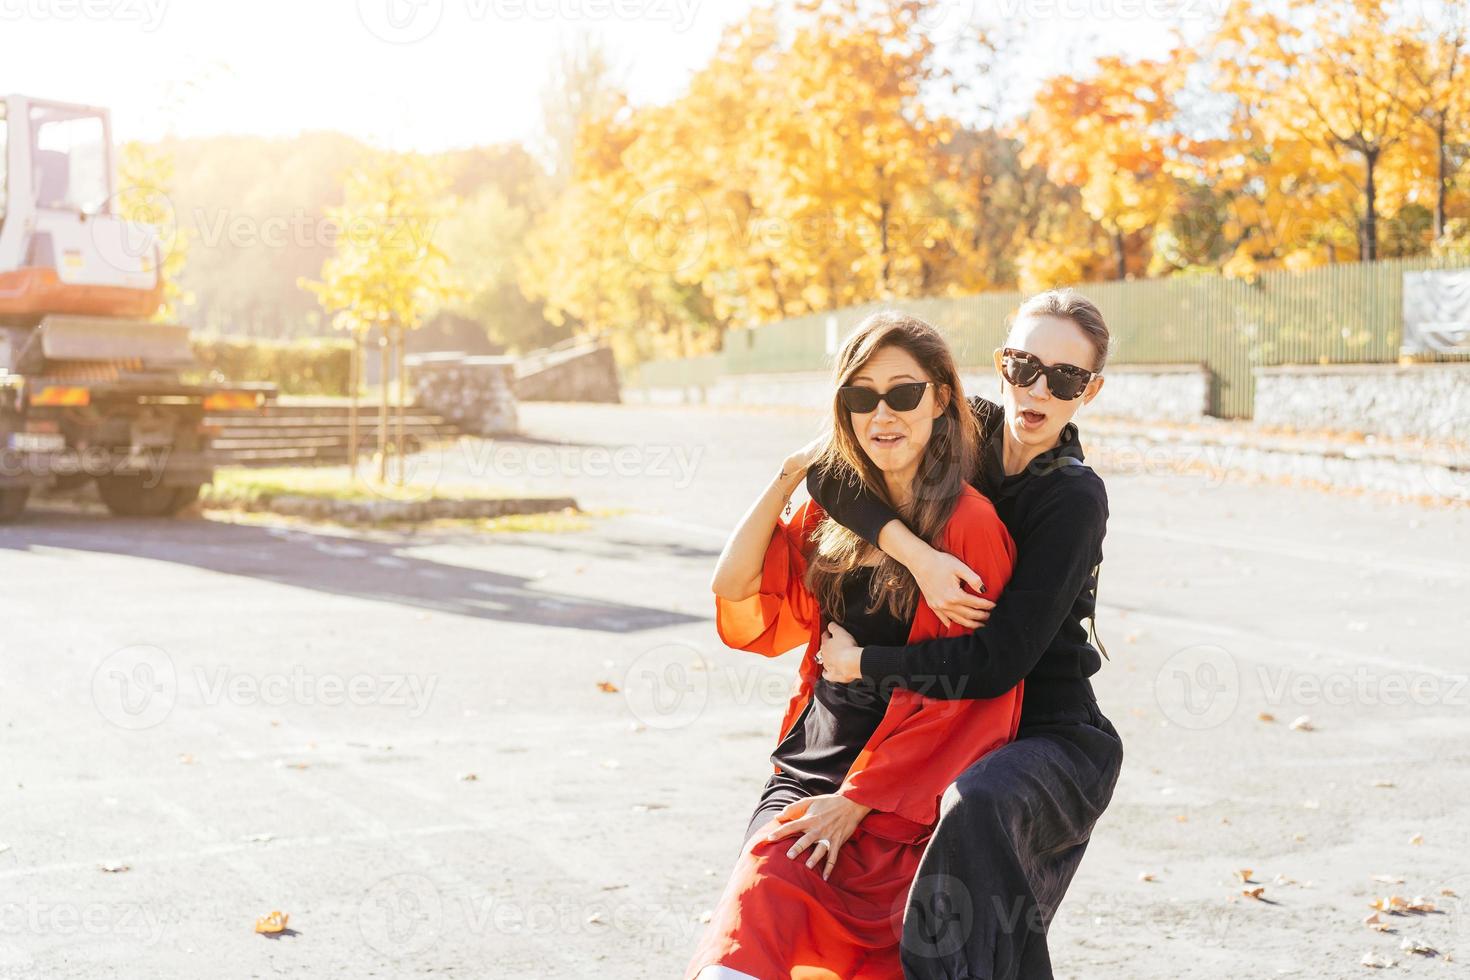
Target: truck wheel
(126, 495)
(186, 495)
(12, 502)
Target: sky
(427, 74)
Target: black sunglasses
(900, 398)
(1065, 381)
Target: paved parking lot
(527, 754)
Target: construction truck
(91, 383)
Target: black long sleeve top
(1057, 511)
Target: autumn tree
(1318, 84)
(387, 273)
(1434, 55)
(1107, 135)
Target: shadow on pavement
(365, 567)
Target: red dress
(778, 918)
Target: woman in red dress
(820, 888)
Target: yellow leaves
(1107, 135)
(387, 272)
(798, 172)
(145, 182)
(272, 923)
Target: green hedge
(296, 367)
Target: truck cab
(91, 384)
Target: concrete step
(1416, 469)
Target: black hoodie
(1057, 512)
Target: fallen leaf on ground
(1376, 961)
(114, 867)
(607, 687)
(1376, 923)
(468, 777)
(1383, 783)
(1388, 879)
(1146, 876)
(1266, 716)
(1417, 839)
(1244, 874)
(272, 923)
(1255, 892)
(1303, 724)
(1417, 946)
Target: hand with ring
(824, 824)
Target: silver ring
(819, 658)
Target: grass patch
(235, 484)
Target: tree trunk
(884, 210)
(1120, 249)
(1442, 184)
(1369, 250)
(402, 398)
(354, 382)
(383, 407)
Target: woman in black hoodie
(1013, 827)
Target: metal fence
(1329, 315)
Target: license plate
(37, 442)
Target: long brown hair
(944, 469)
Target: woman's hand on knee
(821, 823)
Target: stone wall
(584, 373)
(1159, 392)
(475, 394)
(1430, 401)
(1154, 393)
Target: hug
(943, 758)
